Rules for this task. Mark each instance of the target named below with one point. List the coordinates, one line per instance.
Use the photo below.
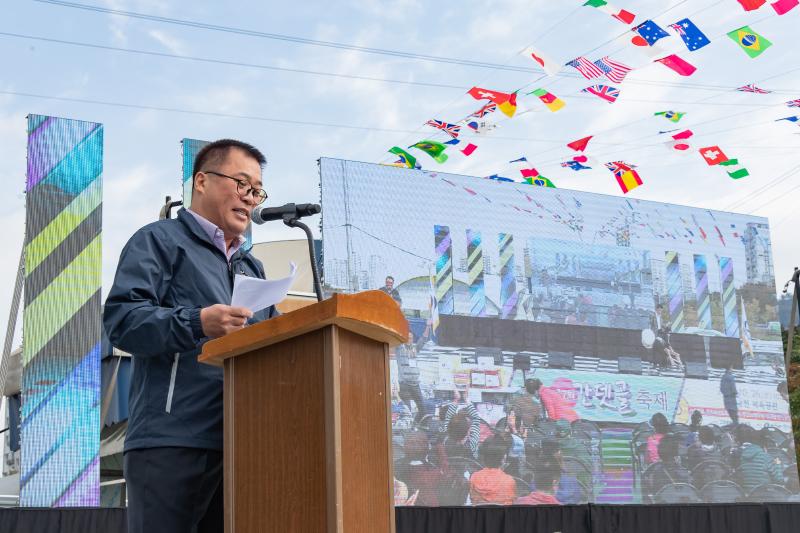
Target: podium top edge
(372, 314)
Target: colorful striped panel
(701, 291)
(477, 292)
(434, 310)
(444, 270)
(189, 149)
(729, 309)
(674, 291)
(62, 318)
(508, 280)
(618, 486)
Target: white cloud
(171, 43)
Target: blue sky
(142, 162)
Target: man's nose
(249, 198)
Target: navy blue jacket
(167, 272)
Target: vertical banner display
(444, 270)
(728, 297)
(701, 292)
(60, 459)
(189, 150)
(674, 291)
(477, 292)
(508, 279)
(433, 308)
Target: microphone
(284, 212)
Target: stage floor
(732, 518)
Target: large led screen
(61, 321)
(567, 347)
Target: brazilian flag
(751, 42)
(407, 159)
(433, 149)
(674, 116)
(540, 181)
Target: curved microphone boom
(284, 212)
(290, 214)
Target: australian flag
(451, 129)
(574, 165)
(793, 103)
(650, 32)
(691, 35)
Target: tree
(793, 379)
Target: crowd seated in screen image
(538, 451)
(455, 458)
(723, 464)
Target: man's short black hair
(532, 385)
(458, 427)
(389, 277)
(660, 423)
(545, 476)
(706, 435)
(745, 433)
(493, 450)
(217, 151)
(668, 448)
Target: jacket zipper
(172, 377)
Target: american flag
(793, 103)
(606, 92)
(586, 67)
(750, 88)
(613, 70)
(451, 129)
(491, 107)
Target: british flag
(619, 167)
(491, 107)
(613, 70)
(606, 92)
(750, 88)
(451, 129)
(793, 103)
(586, 67)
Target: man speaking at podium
(171, 293)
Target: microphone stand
(293, 222)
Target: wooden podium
(307, 444)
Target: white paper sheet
(257, 294)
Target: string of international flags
(646, 37)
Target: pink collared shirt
(217, 236)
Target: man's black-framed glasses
(243, 186)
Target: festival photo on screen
(566, 347)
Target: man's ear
(199, 182)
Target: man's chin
(235, 228)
